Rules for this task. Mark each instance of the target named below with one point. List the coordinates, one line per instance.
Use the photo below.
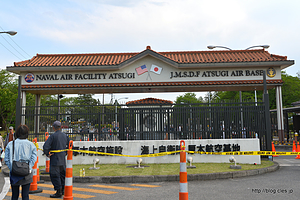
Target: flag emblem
(156, 69)
(142, 69)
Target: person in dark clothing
(57, 141)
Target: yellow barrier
(246, 153)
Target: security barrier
(47, 168)
(69, 174)
(183, 184)
(246, 153)
(33, 186)
(183, 192)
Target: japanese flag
(156, 69)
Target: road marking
(5, 188)
(82, 189)
(32, 197)
(289, 165)
(114, 187)
(144, 185)
(83, 196)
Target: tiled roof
(297, 103)
(149, 101)
(193, 83)
(180, 57)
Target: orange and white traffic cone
(47, 168)
(69, 174)
(298, 150)
(273, 149)
(183, 184)
(294, 146)
(33, 186)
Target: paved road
(282, 184)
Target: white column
(23, 104)
(37, 113)
(280, 123)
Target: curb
(165, 178)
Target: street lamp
(12, 33)
(116, 115)
(263, 46)
(212, 47)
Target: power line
(14, 47)
(19, 46)
(10, 51)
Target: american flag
(142, 69)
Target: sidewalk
(161, 178)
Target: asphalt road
(281, 184)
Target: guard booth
(151, 71)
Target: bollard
(183, 190)
(69, 174)
(47, 168)
(38, 170)
(33, 186)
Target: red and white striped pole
(69, 174)
(183, 184)
(33, 186)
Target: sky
(115, 26)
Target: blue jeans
(16, 192)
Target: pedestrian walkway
(92, 191)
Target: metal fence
(150, 122)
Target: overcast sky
(99, 26)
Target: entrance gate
(153, 122)
(151, 71)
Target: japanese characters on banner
(148, 147)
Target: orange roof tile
(148, 101)
(180, 57)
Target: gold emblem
(271, 72)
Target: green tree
(9, 93)
(188, 98)
(85, 99)
(290, 91)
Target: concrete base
(94, 168)
(235, 167)
(136, 166)
(191, 167)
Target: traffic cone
(33, 185)
(273, 149)
(47, 167)
(294, 146)
(298, 150)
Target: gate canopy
(150, 71)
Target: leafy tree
(9, 93)
(290, 91)
(188, 98)
(85, 99)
